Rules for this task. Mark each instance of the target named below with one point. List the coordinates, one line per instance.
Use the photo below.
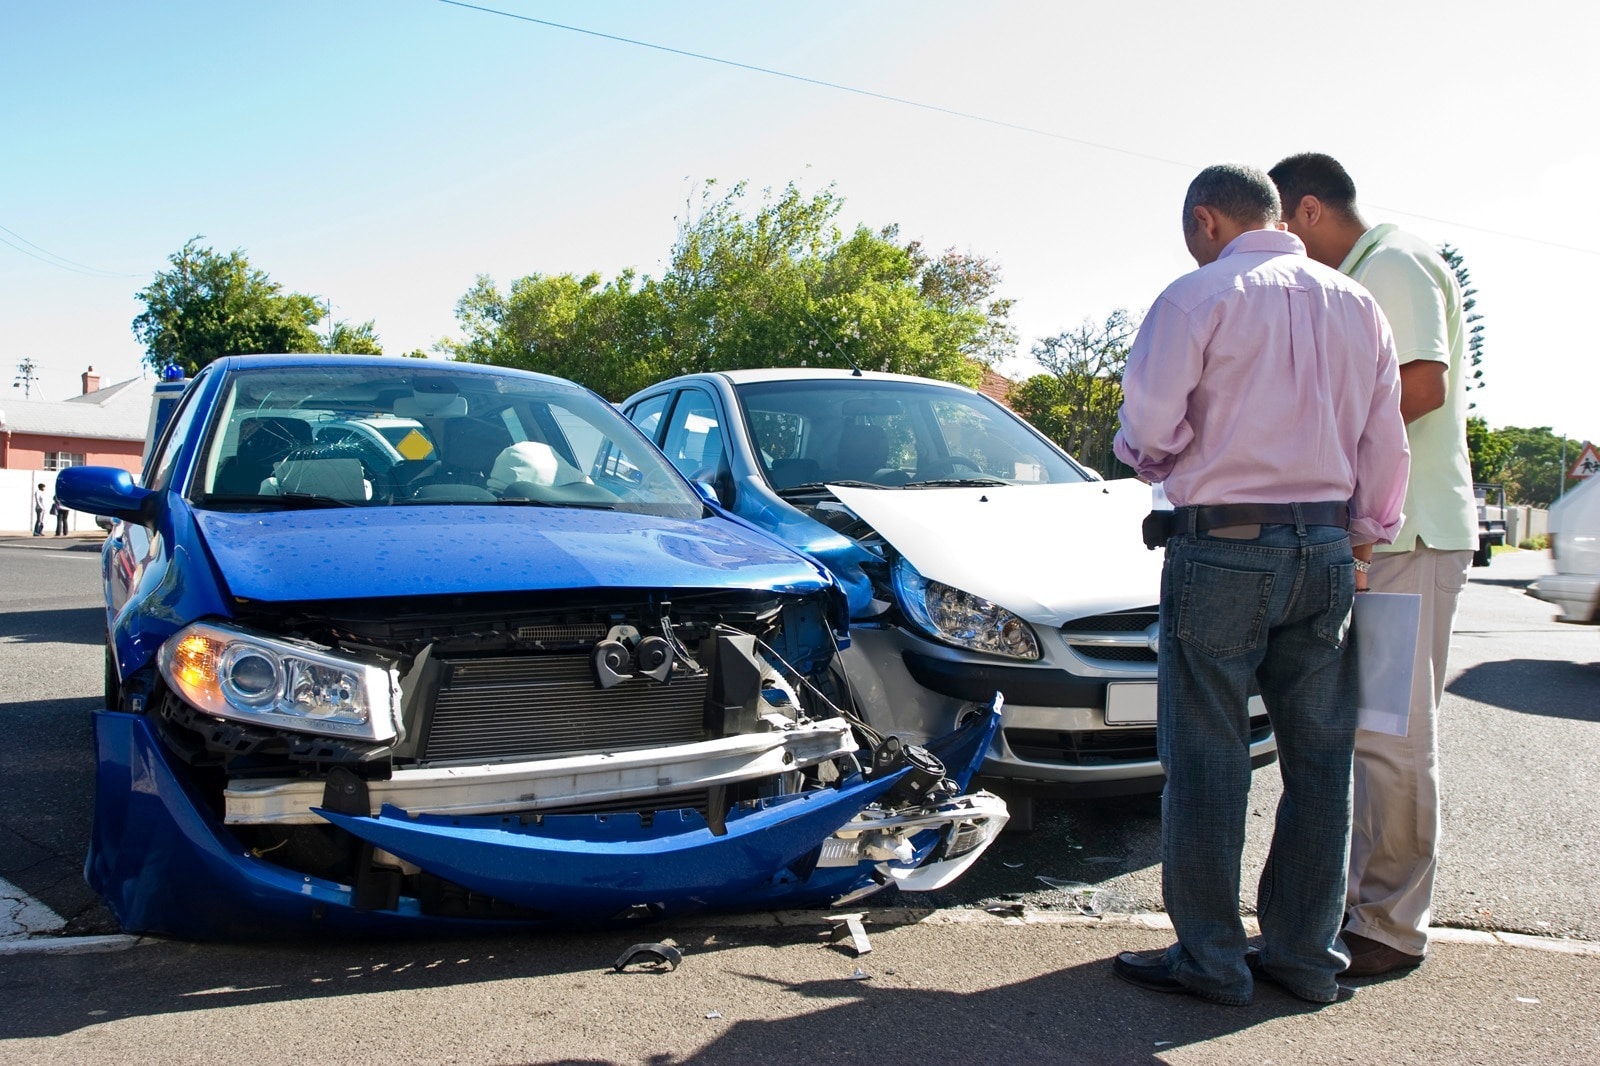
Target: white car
(978, 557)
(1575, 549)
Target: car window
(158, 467)
(892, 433)
(646, 414)
(696, 443)
(349, 436)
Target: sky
(380, 154)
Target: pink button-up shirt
(1265, 377)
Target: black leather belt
(1264, 514)
(1160, 525)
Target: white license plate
(1131, 703)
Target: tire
(113, 683)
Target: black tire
(113, 683)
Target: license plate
(1131, 703)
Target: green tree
(1534, 471)
(209, 305)
(353, 340)
(1489, 450)
(1473, 320)
(1075, 401)
(781, 286)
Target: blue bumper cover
(164, 862)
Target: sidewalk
(83, 539)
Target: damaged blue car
(399, 644)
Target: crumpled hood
(1050, 553)
(285, 556)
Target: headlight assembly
(232, 673)
(960, 618)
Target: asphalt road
(1008, 971)
(1521, 723)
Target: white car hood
(1049, 553)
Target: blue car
(402, 644)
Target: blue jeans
(1237, 615)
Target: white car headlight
(961, 618)
(246, 676)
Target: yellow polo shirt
(1419, 296)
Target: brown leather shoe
(1368, 958)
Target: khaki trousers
(1394, 842)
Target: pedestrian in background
(38, 510)
(1394, 849)
(61, 516)
(1262, 391)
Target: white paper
(1385, 626)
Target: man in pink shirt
(1262, 391)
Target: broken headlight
(960, 618)
(232, 673)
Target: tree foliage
(209, 305)
(1471, 318)
(1528, 462)
(782, 286)
(353, 340)
(1075, 401)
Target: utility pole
(27, 373)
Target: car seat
(263, 442)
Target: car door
(695, 441)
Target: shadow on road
(1534, 686)
(78, 625)
(1078, 1012)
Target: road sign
(1588, 462)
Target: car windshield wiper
(954, 482)
(306, 501)
(529, 501)
(822, 486)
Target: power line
(59, 261)
(953, 112)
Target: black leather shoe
(1369, 958)
(1147, 969)
(1252, 959)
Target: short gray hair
(1242, 193)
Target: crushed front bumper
(164, 859)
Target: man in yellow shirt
(1394, 844)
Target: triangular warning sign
(1588, 462)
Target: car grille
(489, 710)
(1113, 638)
(1100, 747)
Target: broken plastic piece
(859, 975)
(1065, 886)
(651, 958)
(713, 1014)
(851, 925)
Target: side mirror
(103, 490)
(707, 492)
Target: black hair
(1315, 174)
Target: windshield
(893, 434)
(384, 436)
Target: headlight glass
(960, 618)
(234, 673)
